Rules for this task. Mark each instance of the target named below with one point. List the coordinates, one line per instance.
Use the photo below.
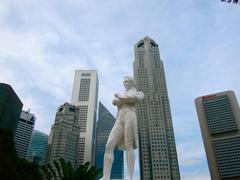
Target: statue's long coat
(127, 112)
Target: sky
(43, 42)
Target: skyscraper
(219, 118)
(38, 147)
(10, 107)
(63, 138)
(104, 126)
(24, 132)
(158, 156)
(84, 96)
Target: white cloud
(195, 176)
(44, 42)
(190, 153)
(4, 5)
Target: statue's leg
(129, 139)
(130, 156)
(114, 137)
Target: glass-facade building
(219, 118)
(10, 107)
(157, 148)
(104, 126)
(38, 147)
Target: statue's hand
(117, 95)
(116, 101)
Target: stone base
(116, 179)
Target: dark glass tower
(104, 126)
(10, 107)
(157, 149)
(38, 147)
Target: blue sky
(43, 42)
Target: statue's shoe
(103, 178)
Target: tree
(60, 169)
(11, 166)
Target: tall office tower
(38, 147)
(63, 138)
(84, 96)
(10, 108)
(219, 118)
(157, 149)
(104, 126)
(23, 134)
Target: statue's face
(126, 84)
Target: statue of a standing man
(124, 132)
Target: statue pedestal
(116, 179)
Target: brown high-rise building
(219, 118)
(64, 135)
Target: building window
(82, 118)
(86, 74)
(84, 90)
(141, 45)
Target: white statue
(124, 132)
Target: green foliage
(64, 168)
(8, 156)
(11, 166)
(59, 169)
(87, 172)
(46, 173)
(27, 170)
(70, 170)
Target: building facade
(104, 126)
(84, 96)
(219, 118)
(23, 133)
(63, 138)
(157, 149)
(38, 147)
(10, 108)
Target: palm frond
(57, 166)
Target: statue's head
(128, 82)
